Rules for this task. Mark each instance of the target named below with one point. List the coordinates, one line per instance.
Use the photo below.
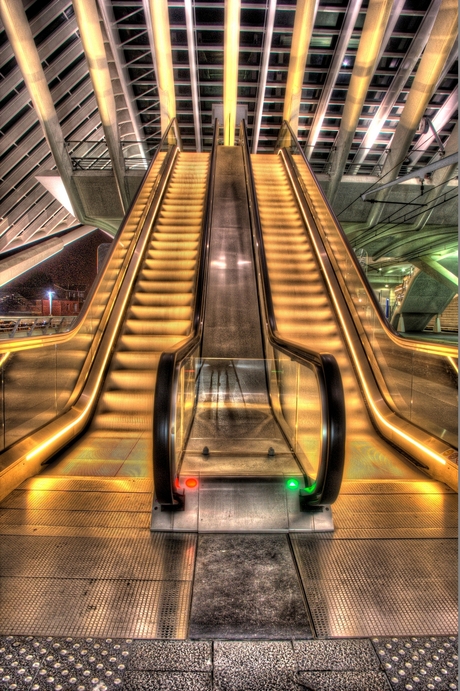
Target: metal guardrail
(15, 327)
(94, 154)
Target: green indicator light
(292, 484)
(311, 489)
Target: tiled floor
(84, 664)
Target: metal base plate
(242, 505)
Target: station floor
(377, 664)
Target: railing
(407, 372)
(27, 326)
(303, 384)
(41, 377)
(94, 154)
(176, 376)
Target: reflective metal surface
(123, 582)
(232, 326)
(234, 421)
(241, 504)
(379, 587)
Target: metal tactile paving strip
(106, 519)
(82, 607)
(96, 586)
(74, 501)
(394, 487)
(87, 484)
(419, 662)
(394, 516)
(394, 503)
(71, 663)
(364, 588)
(156, 556)
(346, 519)
(74, 531)
(394, 533)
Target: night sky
(75, 264)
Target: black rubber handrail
(164, 408)
(392, 333)
(327, 484)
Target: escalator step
(160, 326)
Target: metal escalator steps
(293, 274)
(171, 254)
(300, 328)
(136, 342)
(165, 286)
(178, 208)
(132, 360)
(159, 315)
(160, 312)
(140, 379)
(172, 245)
(171, 234)
(170, 264)
(119, 422)
(163, 299)
(299, 289)
(147, 327)
(167, 275)
(293, 313)
(136, 402)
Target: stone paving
(29, 663)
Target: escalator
(159, 315)
(304, 313)
(392, 518)
(84, 523)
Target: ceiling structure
(370, 86)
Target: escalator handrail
(447, 350)
(329, 478)
(57, 339)
(164, 406)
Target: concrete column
(303, 26)
(25, 51)
(345, 34)
(367, 57)
(160, 31)
(17, 264)
(93, 43)
(437, 324)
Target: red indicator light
(191, 483)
